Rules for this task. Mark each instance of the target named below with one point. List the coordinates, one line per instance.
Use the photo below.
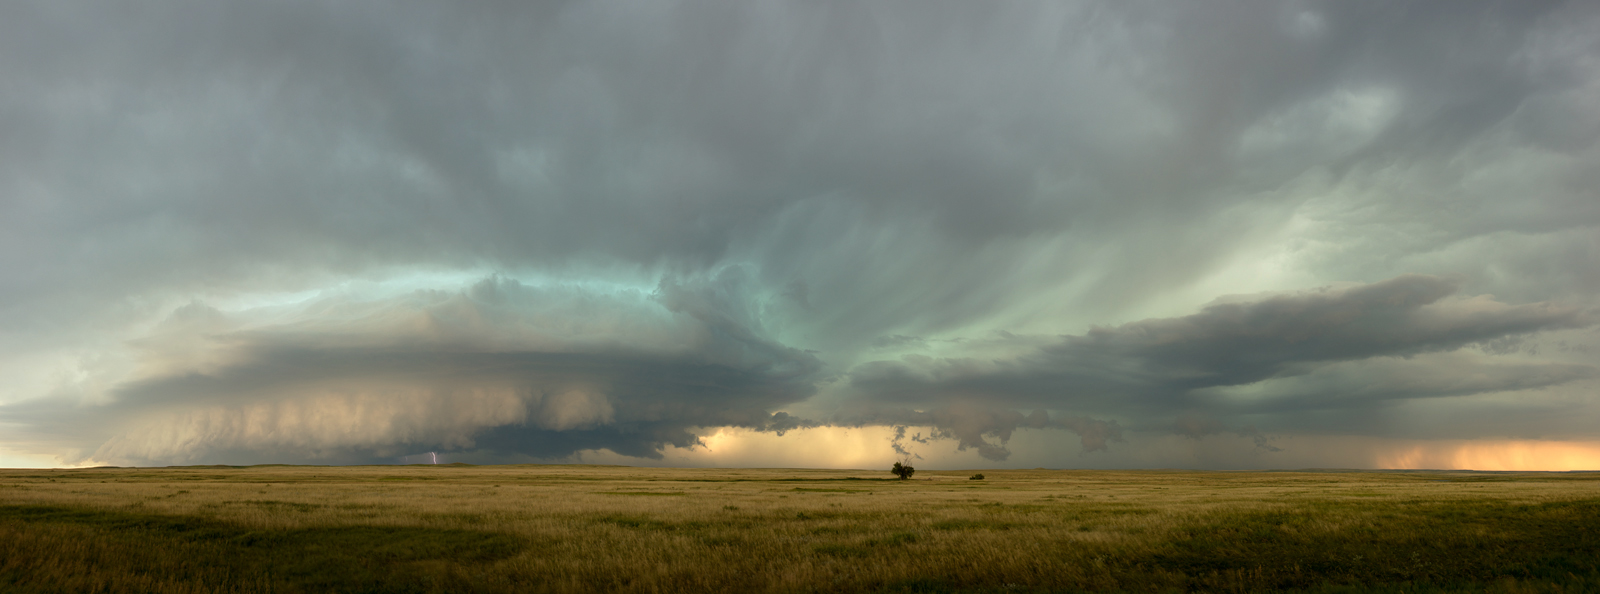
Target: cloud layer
(1156, 367)
(1227, 344)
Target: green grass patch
(1442, 544)
(192, 550)
(841, 550)
(636, 522)
(785, 480)
(277, 505)
(1102, 511)
(897, 539)
(732, 542)
(972, 524)
(805, 490)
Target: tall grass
(581, 529)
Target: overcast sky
(980, 234)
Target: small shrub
(903, 469)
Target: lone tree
(903, 469)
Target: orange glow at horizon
(814, 447)
(1494, 455)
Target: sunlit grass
(578, 528)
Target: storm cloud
(348, 378)
(349, 231)
(1231, 344)
(1330, 348)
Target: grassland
(585, 528)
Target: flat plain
(453, 528)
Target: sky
(1211, 235)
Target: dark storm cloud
(970, 425)
(1197, 427)
(795, 187)
(186, 145)
(632, 404)
(1154, 367)
(500, 367)
(1376, 382)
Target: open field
(587, 528)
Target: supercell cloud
(1215, 234)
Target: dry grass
(585, 528)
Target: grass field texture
(588, 528)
